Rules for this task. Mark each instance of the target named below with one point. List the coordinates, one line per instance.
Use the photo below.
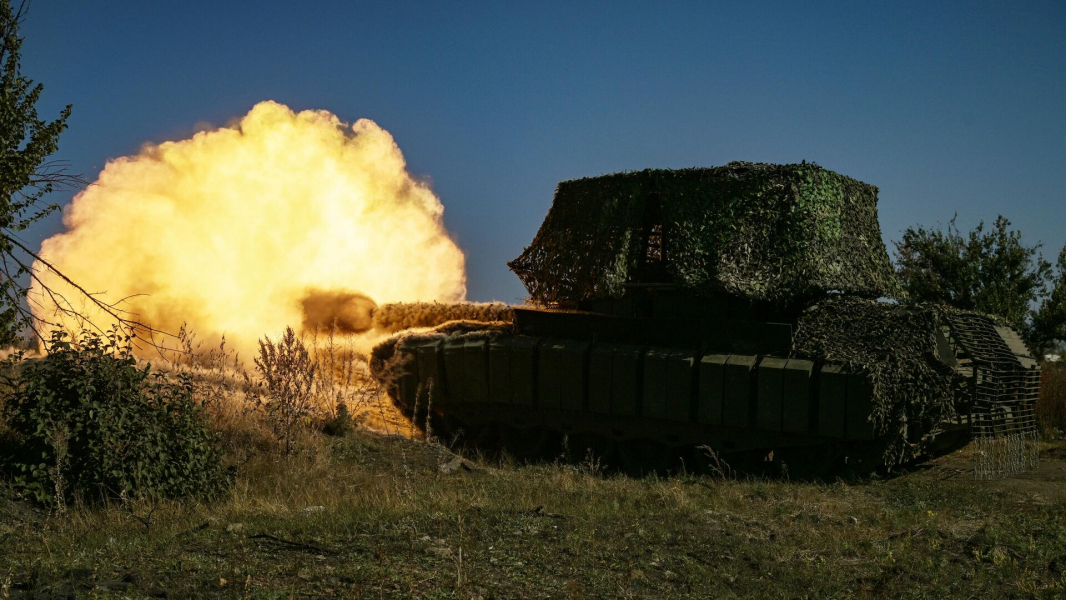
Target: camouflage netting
(913, 390)
(764, 232)
(406, 315)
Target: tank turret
(780, 234)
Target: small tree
(989, 270)
(26, 141)
(1049, 321)
(26, 177)
(87, 421)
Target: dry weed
(299, 384)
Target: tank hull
(612, 386)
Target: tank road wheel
(489, 436)
(524, 444)
(644, 456)
(587, 446)
(486, 438)
(447, 430)
(829, 461)
(706, 460)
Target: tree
(991, 271)
(26, 141)
(26, 177)
(1049, 321)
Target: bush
(289, 377)
(87, 422)
(1051, 408)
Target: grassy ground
(378, 516)
(373, 515)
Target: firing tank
(742, 310)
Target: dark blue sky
(948, 107)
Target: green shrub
(1051, 408)
(87, 422)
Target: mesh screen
(1005, 385)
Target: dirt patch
(1046, 483)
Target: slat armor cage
(1004, 386)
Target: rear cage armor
(1005, 385)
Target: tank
(748, 310)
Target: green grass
(367, 515)
(373, 516)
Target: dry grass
(336, 391)
(368, 514)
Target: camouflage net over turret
(778, 233)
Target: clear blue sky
(953, 107)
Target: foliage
(341, 423)
(1051, 408)
(88, 422)
(26, 141)
(990, 271)
(289, 376)
(1049, 321)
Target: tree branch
(125, 318)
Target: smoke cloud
(283, 219)
(348, 312)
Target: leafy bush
(991, 271)
(88, 422)
(1051, 408)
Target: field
(376, 514)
